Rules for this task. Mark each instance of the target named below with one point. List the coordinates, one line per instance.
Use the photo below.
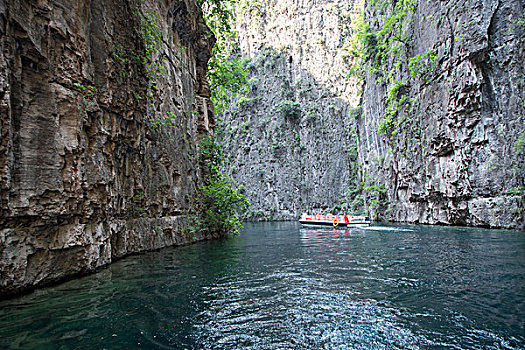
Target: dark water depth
(278, 286)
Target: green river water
(279, 286)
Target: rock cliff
(291, 141)
(440, 132)
(445, 135)
(101, 106)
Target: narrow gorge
(156, 157)
(407, 111)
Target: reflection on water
(279, 286)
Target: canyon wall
(102, 104)
(434, 134)
(291, 140)
(454, 153)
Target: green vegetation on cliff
(222, 206)
(227, 71)
(290, 109)
(382, 47)
(218, 206)
(228, 77)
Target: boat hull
(357, 222)
(331, 225)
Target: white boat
(338, 221)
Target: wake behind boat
(330, 220)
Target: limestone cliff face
(97, 136)
(453, 153)
(458, 157)
(290, 141)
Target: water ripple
(277, 286)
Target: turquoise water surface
(279, 286)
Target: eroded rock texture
(290, 141)
(455, 156)
(458, 157)
(97, 149)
